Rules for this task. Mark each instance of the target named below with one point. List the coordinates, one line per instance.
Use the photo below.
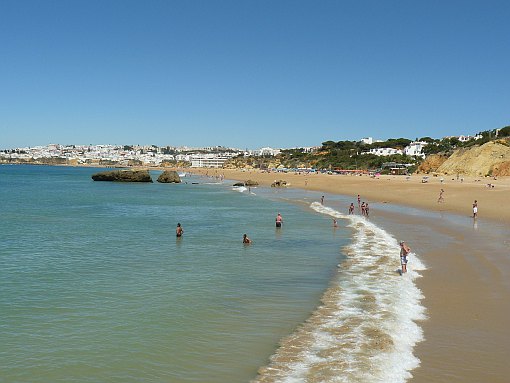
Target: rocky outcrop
(501, 169)
(123, 176)
(251, 183)
(492, 158)
(168, 177)
(431, 163)
(279, 184)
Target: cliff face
(431, 163)
(492, 158)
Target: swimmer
(279, 220)
(179, 231)
(246, 240)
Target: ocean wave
(366, 327)
(240, 189)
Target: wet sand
(467, 281)
(493, 203)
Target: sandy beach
(458, 196)
(467, 281)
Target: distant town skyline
(250, 74)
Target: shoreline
(466, 283)
(407, 191)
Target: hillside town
(123, 155)
(204, 157)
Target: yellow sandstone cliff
(492, 158)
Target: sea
(96, 287)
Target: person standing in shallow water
(279, 220)
(404, 252)
(475, 209)
(246, 240)
(351, 208)
(179, 231)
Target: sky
(250, 73)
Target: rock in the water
(251, 183)
(238, 184)
(169, 176)
(279, 184)
(123, 176)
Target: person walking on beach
(440, 199)
(179, 231)
(351, 208)
(279, 220)
(404, 252)
(246, 240)
(475, 209)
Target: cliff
(492, 158)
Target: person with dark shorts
(279, 220)
(179, 231)
(404, 252)
(246, 240)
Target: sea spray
(365, 330)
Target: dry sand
(467, 281)
(493, 203)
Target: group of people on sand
(179, 231)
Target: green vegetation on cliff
(354, 155)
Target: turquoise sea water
(95, 287)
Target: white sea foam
(366, 329)
(240, 189)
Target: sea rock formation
(169, 176)
(251, 183)
(279, 184)
(123, 176)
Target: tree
(504, 132)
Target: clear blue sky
(250, 73)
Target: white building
(183, 157)
(383, 151)
(466, 138)
(268, 152)
(415, 148)
(207, 160)
(369, 140)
